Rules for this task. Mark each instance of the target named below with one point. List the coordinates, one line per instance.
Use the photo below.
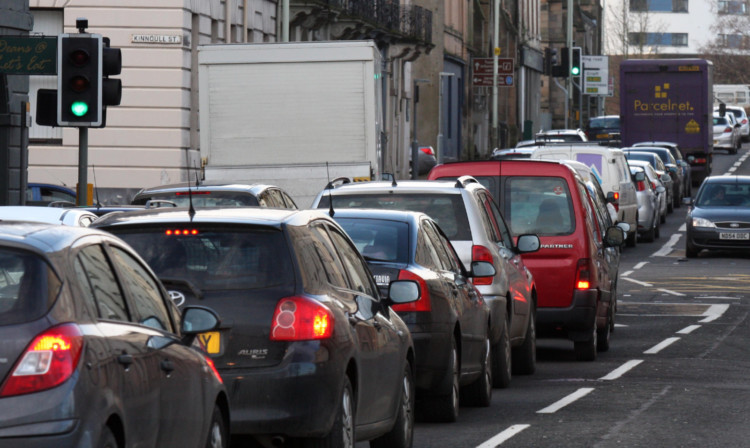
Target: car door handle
(125, 359)
(166, 365)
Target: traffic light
(550, 61)
(79, 74)
(111, 88)
(563, 70)
(575, 68)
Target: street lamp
(414, 143)
(439, 155)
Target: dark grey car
(215, 194)
(94, 352)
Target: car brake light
(300, 319)
(727, 129)
(583, 274)
(744, 121)
(481, 253)
(170, 232)
(616, 202)
(424, 303)
(427, 150)
(212, 366)
(641, 185)
(48, 361)
(653, 185)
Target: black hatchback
(450, 321)
(309, 350)
(94, 353)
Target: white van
(610, 167)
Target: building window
(737, 41)
(659, 5)
(733, 7)
(659, 39)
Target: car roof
(42, 237)
(740, 179)
(50, 215)
(382, 214)
(215, 186)
(411, 186)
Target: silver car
(648, 205)
(657, 186)
(726, 133)
(741, 116)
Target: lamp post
(439, 155)
(414, 142)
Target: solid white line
(689, 329)
(674, 293)
(626, 273)
(714, 312)
(620, 371)
(683, 228)
(554, 407)
(661, 345)
(637, 282)
(667, 248)
(503, 436)
(640, 265)
(718, 297)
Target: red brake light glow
(427, 150)
(48, 361)
(727, 129)
(424, 303)
(175, 232)
(583, 274)
(212, 366)
(641, 185)
(481, 253)
(300, 319)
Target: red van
(575, 275)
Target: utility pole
(440, 148)
(569, 45)
(496, 52)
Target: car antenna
(393, 175)
(96, 188)
(191, 210)
(329, 187)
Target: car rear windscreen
(378, 239)
(28, 287)
(214, 258)
(202, 199)
(539, 205)
(447, 209)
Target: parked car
(50, 215)
(311, 350)
(94, 351)
(471, 220)
(611, 168)
(648, 205)
(674, 148)
(576, 279)
(519, 152)
(603, 128)
(449, 323)
(211, 194)
(672, 168)
(740, 115)
(719, 218)
(726, 133)
(656, 185)
(44, 194)
(562, 135)
(425, 159)
(655, 161)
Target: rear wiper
(181, 281)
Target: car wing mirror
(640, 176)
(528, 243)
(482, 269)
(198, 319)
(404, 291)
(614, 237)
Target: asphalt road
(676, 374)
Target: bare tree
(729, 48)
(629, 28)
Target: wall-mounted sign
(28, 55)
(156, 39)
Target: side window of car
(448, 256)
(426, 254)
(148, 303)
(288, 201)
(441, 254)
(592, 222)
(492, 232)
(327, 252)
(359, 274)
(99, 283)
(501, 225)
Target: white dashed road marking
(620, 371)
(661, 346)
(503, 436)
(554, 407)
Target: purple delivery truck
(670, 100)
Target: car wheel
(649, 235)
(586, 350)
(663, 218)
(444, 408)
(524, 357)
(479, 393)
(342, 432)
(501, 359)
(107, 439)
(403, 430)
(217, 432)
(603, 334)
(670, 205)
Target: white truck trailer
(295, 115)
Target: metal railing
(416, 22)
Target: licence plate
(734, 236)
(210, 341)
(602, 135)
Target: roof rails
(157, 203)
(463, 181)
(339, 180)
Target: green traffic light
(575, 71)
(79, 108)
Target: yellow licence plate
(210, 341)
(602, 135)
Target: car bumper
(568, 321)
(709, 238)
(432, 352)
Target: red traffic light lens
(79, 57)
(79, 83)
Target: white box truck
(295, 115)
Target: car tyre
(107, 439)
(501, 359)
(479, 393)
(650, 234)
(632, 238)
(444, 408)
(657, 228)
(402, 434)
(217, 431)
(603, 334)
(586, 350)
(524, 356)
(342, 432)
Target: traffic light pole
(83, 163)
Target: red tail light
(744, 121)
(423, 303)
(641, 185)
(212, 366)
(481, 253)
(727, 129)
(427, 150)
(300, 319)
(48, 361)
(583, 274)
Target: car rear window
(203, 199)
(600, 123)
(447, 209)
(377, 239)
(540, 205)
(720, 121)
(28, 287)
(214, 258)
